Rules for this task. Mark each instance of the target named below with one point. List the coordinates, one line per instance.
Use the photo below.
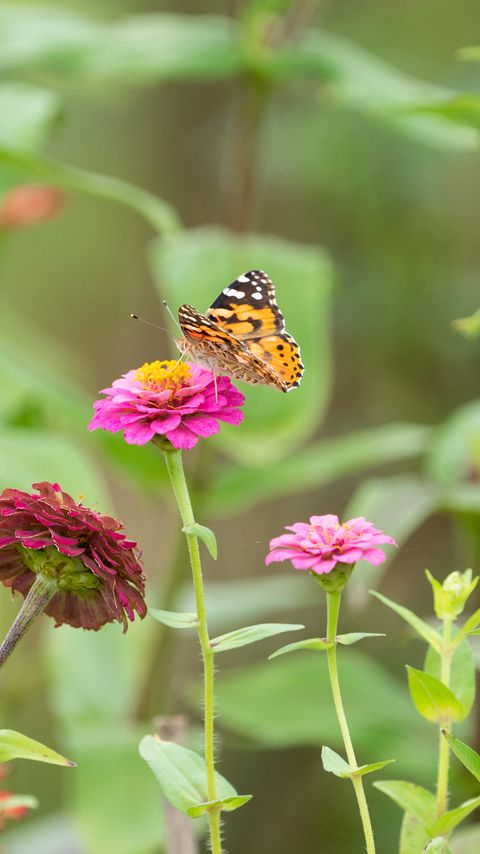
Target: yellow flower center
(158, 376)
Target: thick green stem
(333, 607)
(443, 748)
(41, 592)
(175, 470)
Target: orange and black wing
(247, 308)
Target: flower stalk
(173, 460)
(40, 594)
(333, 607)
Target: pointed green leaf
(413, 836)
(354, 637)
(410, 798)
(371, 767)
(469, 757)
(205, 535)
(308, 643)
(174, 619)
(448, 822)
(470, 625)
(227, 805)
(14, 745)
(469, 327)
(334, 764)
(182, 774)
(463, 674)
(421, 627)
(251, 634)
(432, 698)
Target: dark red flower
(96, 569)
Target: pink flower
(170, 399)
(96, 569)
(319, 546)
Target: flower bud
(450, 597)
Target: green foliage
(251, 634)
(434, 701)
(449, 821)
(174, 619)
(469, 757)
(462, 678)
(421, 627)
(469, 327)
(334, 763)
(412, 799)
(14, 745)
(413, 836)
(183, 778)
(205, 535)
(322, 643)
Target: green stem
(333, 607)
(41, 592)
(443, 749)
(173, 460)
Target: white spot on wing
(243, 279)
(257, 296)
(231, 292)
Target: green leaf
(354, 637)
(274, 423)
(98, 800)
(432, 699)
(14, 745)
(28, 115)
(449, 821)
(463, 674)
(399, 505)
(227, 805)
(364, 82)
(251, 634)
(205, 535)
(371, 767)
(182, 775)
(469, 625)
(174, 619)
(310, 643)
(334, 764)
(469, 757)
(470, 53)
(413, 836)
(324, 462)
(421, 627)
(455, 450)
(410, 798)
(469, 327)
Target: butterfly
(242, 335)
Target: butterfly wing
(282, 353)
(210, 345)
(247, 308)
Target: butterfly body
(243, 335)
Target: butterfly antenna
(167, 307)
(155, 325)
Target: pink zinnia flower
(323, 543)
(94, 566)
(171, 399)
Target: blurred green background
(336, 146)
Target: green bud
(450, 597)
(68, 573)
(335, 580)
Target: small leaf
(354, 637)
(227, 805)
(174, 619)
(205, 535)
(334, 764)
(421, 627)
(410, 798)
(251, 634)
(463, 674)
(448, 822)
(371, 767)
(14, 745)
(469, 626)
(309, 643)
(182, 775)
(469, 327)
(468, 757)
(432, 698)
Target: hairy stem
(333, 607)
(443, 748)
(41, 592)
(173, 460)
